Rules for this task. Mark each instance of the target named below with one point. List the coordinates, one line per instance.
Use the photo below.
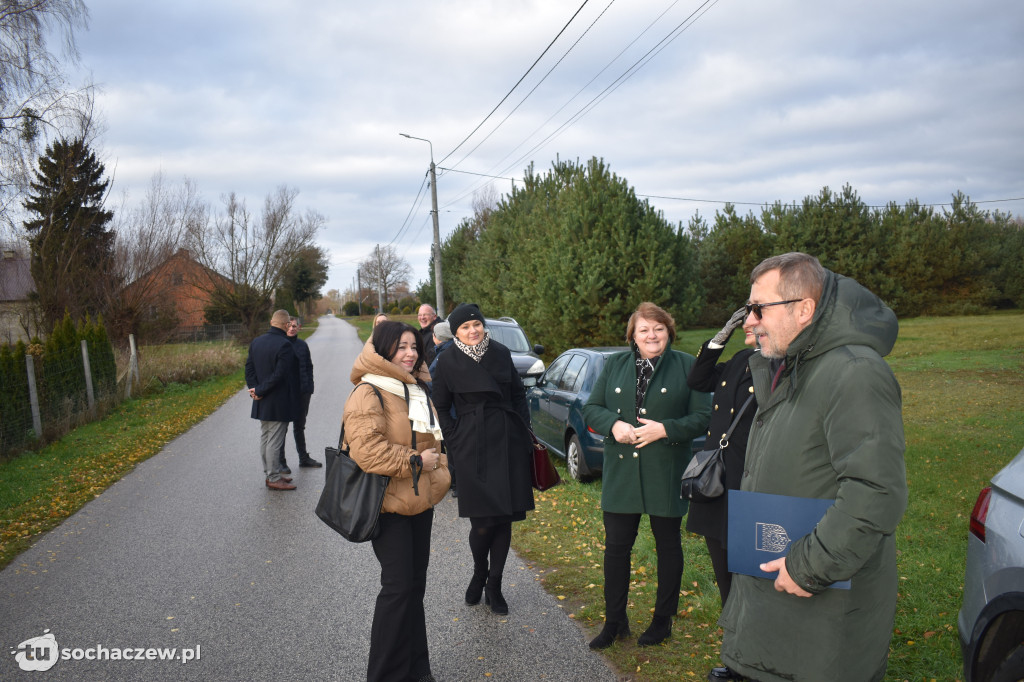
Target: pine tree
(71, 244)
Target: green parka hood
(847, 314)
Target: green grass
(364, 324)
(962, 380)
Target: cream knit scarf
(420, 408)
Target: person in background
(489, 436)
(732, 385)
(829, 425)
(305, 360)
(442, 339)
(380, 434)
(442, 342)
(381, 317)
(649, 417)
(272, 375)
(427, 318)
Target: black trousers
(299, 431)
(720, 563)
(398, 635)
(620, 534)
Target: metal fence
(47, 409)
(208, 332)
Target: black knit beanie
(463, 314)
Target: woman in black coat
(732, 384)
(489, 438)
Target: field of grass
(962, 381)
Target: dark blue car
(556, 409)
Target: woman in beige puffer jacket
(379, 432)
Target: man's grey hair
(800, 274)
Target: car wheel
(573, 455)
(1012, 667)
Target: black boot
(493, 596)
(476, 587)
(658, 632)
(612, 631)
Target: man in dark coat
(305, 360)
(828, 425)
(427, 318)
(272, 375)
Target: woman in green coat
(649, 417)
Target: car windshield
(512, 338)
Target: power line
(415, 204)
(787, 203)
(538, 84)
(736, 203)
(597, 99)
(509, 93)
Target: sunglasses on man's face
(755, 308)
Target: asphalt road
(191, 552)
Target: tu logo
(38, 653)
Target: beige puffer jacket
(380, 441)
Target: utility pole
(359, 292)
(438, 279)
(380, 277)
(438, 284)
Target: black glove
(722, 337)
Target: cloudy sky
(693, 103)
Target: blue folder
(762, 527)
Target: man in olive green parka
(829, 425)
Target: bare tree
(251, 254)
(35, 98)
(384, 270)
(146, 238)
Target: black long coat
(273, 370)
(488, 437)
(731, 383)
(305, 360)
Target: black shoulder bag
(704, 478)
(351, 499)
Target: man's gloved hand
(735, 321)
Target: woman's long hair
(388, 334)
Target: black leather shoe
(612, 631)
(283, 468)
(658, 631)
(723, 673)
(310, 462)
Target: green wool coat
(646, 480)
(832, 428)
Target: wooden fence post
(33, 396)
(90, 395)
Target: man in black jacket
(427, 318)
(272, 375)
(305, 393)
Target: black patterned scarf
(476, 352)
(644, 370)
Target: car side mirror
(538, 349)
(530, 382)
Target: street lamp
(438, 284)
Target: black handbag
(704, 477)
(351, 499)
